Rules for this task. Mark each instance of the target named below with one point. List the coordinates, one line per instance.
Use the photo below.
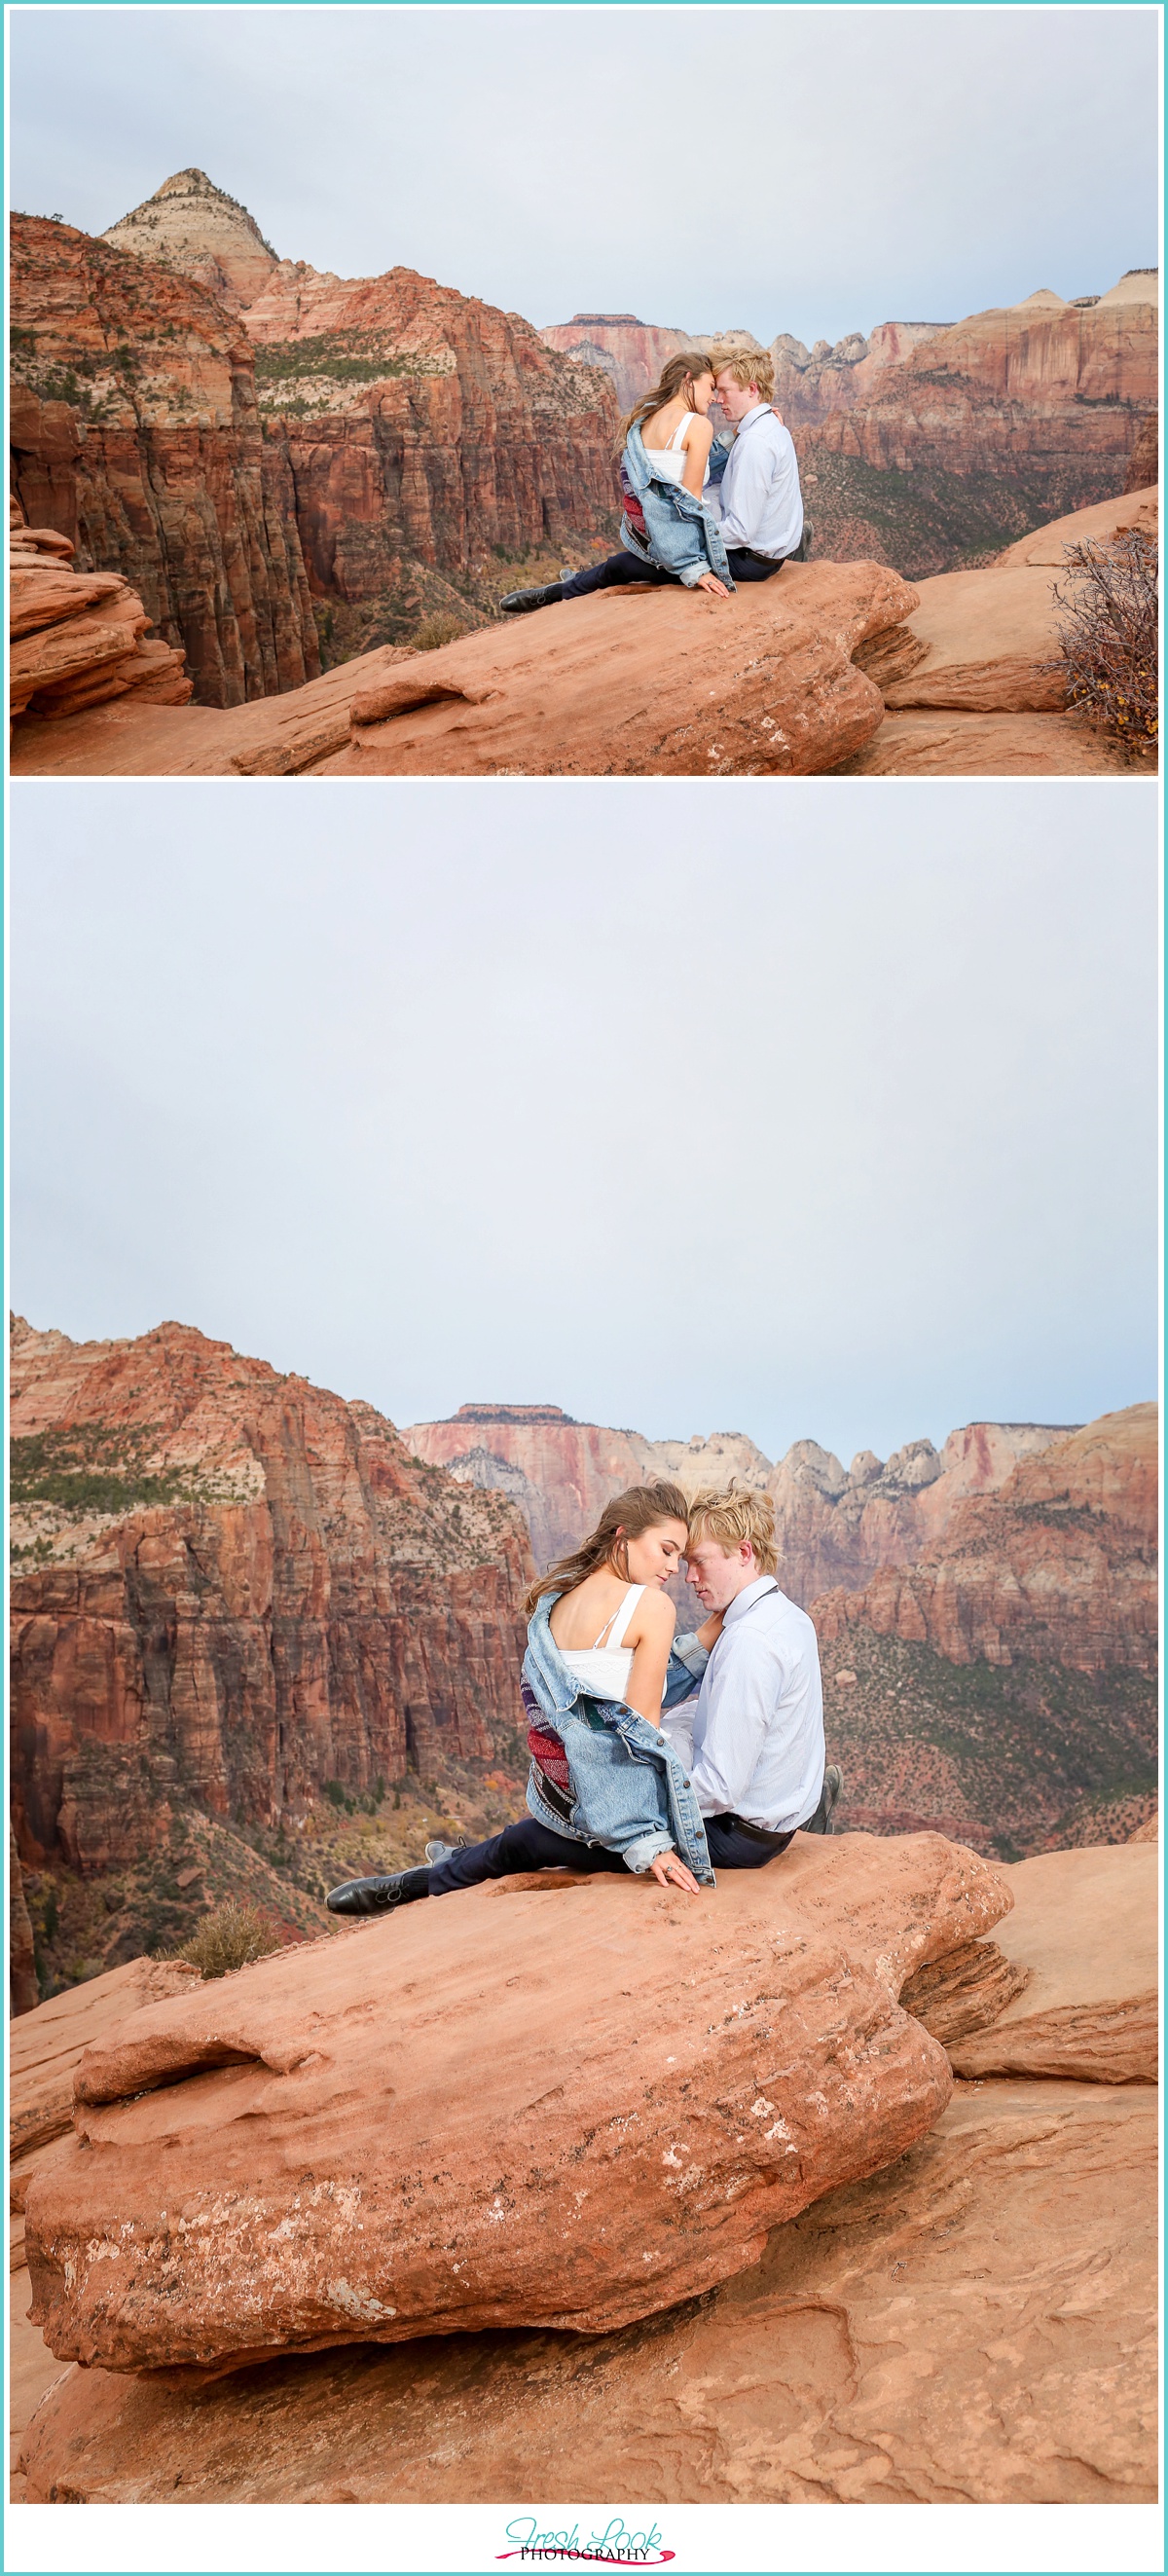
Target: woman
(669, 535)
(607, 1790)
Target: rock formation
(422, 424)
(861, 2359)
(79, 639)
(233, 432)
(1059, 1561)
(52, 2039)
(190, 225)
(633, 353)
(984, 428)
(135, 433)
(811, 384)
(23, 1992)
(1084, 1928)
(280, 2191)
(230, 1588)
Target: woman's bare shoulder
(700, 432)
(656, 1614)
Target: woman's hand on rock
(710, 581)
(669, 1871)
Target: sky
(802, 170)
(807, 1111)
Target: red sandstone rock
(1084, 1926)
(944, 744)
(1060, 1561)
(975, 2325)
(633, 353)
(1044, 398)
(155, 463)
(443, 2122)
(306, 1607)
(23, 1993)
(671, 683)
(422, 424)
(837, 1525)
(79, 639)
(51, 2040)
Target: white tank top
(669, 463)
(605, 1669)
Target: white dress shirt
(757, 1723)
(759, 497)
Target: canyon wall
(229, 1588)
(135, 432)
(1059, 1562)
(980, 431)
(191, 225)
(423, 426)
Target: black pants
(602, 576)
(744, 564)
(529, 1845)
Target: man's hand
(710, 1631)
(669, 1871)
(710, 581)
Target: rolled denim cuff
(694, 1657)
(691, 574)
(639, 1855)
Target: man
(757, 500)
(756, 1726)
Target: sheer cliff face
(1001, 421)
(423, 424)
(633, 353)
(1059, 1563)
(135, 432)
(230, 1587)
(837, 1525)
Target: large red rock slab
(46, 2044)
(659, 683)
(975, 2324)
(1084, 1926)
(570, 2105)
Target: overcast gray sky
(814, 171)
(794, 1110)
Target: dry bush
(1108, 635)
(231, 1937)
(442, 628)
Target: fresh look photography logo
(615, 2546)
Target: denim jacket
(676, 529)
(631, 1790)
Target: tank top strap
(622, 1615)
(675, 441)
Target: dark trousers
(529, 1845)
(747, 566)
(602, 576)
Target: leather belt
(757, 1833)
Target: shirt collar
(755, 413)
(751, 1592)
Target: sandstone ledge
(977, 2324)
(669, 2077)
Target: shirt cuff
(694, 1657)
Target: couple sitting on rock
(698, 511)
(666, 1756)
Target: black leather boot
(378, 1895)
(518, 602)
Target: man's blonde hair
(748, 367)
(731, 1513)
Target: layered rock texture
(562, 1473)
(860, 2359)
(231, 1588)
(79, 639)
(982, 429)
(1085, 1933)
(234, 432)
(280, 2190)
